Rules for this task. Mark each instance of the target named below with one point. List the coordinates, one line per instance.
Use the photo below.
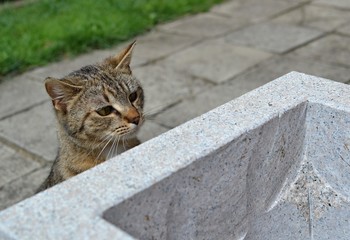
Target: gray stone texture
(193, 26)
(149, 130)
(216, 60)
(344, 4)
(345, 29)
(255, 11)
(188, 67)
(156, 45)
(262, 166)
(64, 67)
(20, 93)
(280, 65)
(22, 188)
(201, 103)
(14, 165)
(273, 37)
(33, 130)
(255, 77)
(315, 16)
(333, 49)
(164, 86)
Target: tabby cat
(99, 109)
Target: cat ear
(60, 92)
(123, 59)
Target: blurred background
(36, 32)
(191, 56)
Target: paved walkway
(187, 67)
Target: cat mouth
(126, 131)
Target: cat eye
(105, 110)
(133, 96)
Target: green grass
(43, 31)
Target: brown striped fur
(99, 108)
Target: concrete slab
(193, 25)
(255, 11)
(164, 86)
(332, 49)
(150, 47)
(249, 158)
(245, 82)
(149, 130)
(216, 60)
(345, 29)
(33, 130)
(280, 65)
(315, 16)
(62, 68)
(335, 3)
(20, 93)
(201, 103)
(13, 165)
(22, 188)
(273, 37)
(155, 45)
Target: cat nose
(135, 120)
(133, 116)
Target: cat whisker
(123, 140)
(104, 148)
(117, 146)
(103, 140)
(111, 150)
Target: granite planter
(272, 164)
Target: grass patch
(42, 31)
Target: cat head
(99, 101)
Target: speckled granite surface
(272, 164)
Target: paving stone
(64, 67)
(20, 93)
(13, 165)
(149, 130)
(278, 66)
(273, 37)
(22, 188)
(149, 47)
(194, 25)
(345, 29)
(315, 16)
(255, 11)
(206, 101)
(155, 45)
(33, 130)
(163, 85)
(333, 49)
(196, 105)
(216, 60)
(249, 80)
(335, 3)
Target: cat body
(99, 109)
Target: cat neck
(73, 153)
(74, 156)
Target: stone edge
(58, 212)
